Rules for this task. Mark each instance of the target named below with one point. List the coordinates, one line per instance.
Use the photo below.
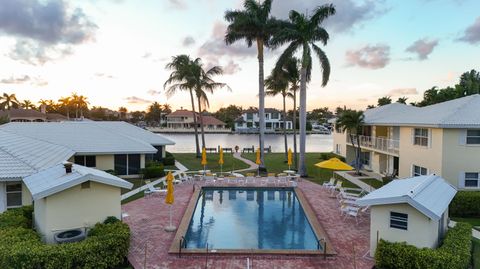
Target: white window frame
(421, 137)
(414, 174)
(10, 192)
(472, 136)
(398, 219)
(465, 178)
(338, 148)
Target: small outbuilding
(69, 196)
(412, 210)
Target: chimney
(68, 167)
(43, 109)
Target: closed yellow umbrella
(258, 160)
(169, 199)
(334, 164)
(220, 160)
(289, 158)
(204, 159)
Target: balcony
(379, 144)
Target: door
(395, 165)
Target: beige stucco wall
(76, 208)
(340, 139)
(429, 157)
(422, 231)
(26, 195)
(105, 162)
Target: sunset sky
(115, 51)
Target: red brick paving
(148, 216)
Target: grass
(193, 163)
(372, 182)
(275, 163)
(137, 182)
(476, 253)
(170, 167)
(475, 222)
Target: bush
(105, 247)
(153, 171)
(455, 252)
(329, 155)
(465, 204)
(169, 159)
(111, 219)
(17, 217)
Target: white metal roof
(55, 179)
(458, 113)
(89, 137)
(430, 195)
(21, 156)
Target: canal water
(185, 143)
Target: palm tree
(82, 103)
(291, 68)
(402, 100)
(74, 102)
(27, 104)
(8, 101)
(182, 79)
(277, 83)
(66, 102)
(352, 121)
(254, 24)
(301, 34)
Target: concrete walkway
(238, 156)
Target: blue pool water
(246, 218)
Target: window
(471, 180)
(14, 195)
(249, 124)
(88, 161)
(419, 171)
(420, 137)
(275, 115)
(338, 148)
(267, 116)
(120, 164)
(399, 220)
(473, 137)
(268, 125)
(134, 164)
(365, 158)
(249, 116)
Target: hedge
(455, 252)
(169, 159)
(153, 171)
(465, 204)
(20, 247)
(329, 155)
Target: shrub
(169, 159)
(455, 252)
(329, 155)
(17, 217)
(153, 171)
(465, 204)
(110, 219)
(105, 247)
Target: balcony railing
(377, 143)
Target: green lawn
(475, 222)
(193, 163)
(476, 253)
(373, 182)
(275, 163)
(137, 182)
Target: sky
(115, 51)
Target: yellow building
(406, 141)
(68, 197)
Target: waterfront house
(403, 140)
(413, 210)
(184, 120)
(91, 195)
(30, 115)
(249, 121)
(27, 148)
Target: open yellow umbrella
(220, 160)
(334, 164)
(169, 199)
(204, 159)
(289, 158)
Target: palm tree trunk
(68, 114)
(302, 169)
(261, 101)
(285, 127)
(201, 122)
(197, 146)
(295, 157)
(358, 153)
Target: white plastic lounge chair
(153, 190)
(337, 186)
(352, 213)
(330, 183)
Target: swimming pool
(231, 218)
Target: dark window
(158, 156)
(249, 124)
(90, 161)
(419, 171)
(14, 194)
(120, 161)
(420, 137)
(80, 160)
(471, 180)
(399, 220)
(133, 164)
(249, 116)
(473, 137)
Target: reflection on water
(249, 221)
(186, 142)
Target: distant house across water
(249, 121)
(183, 121)
(30, 115)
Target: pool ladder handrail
(182, 244)
(319, 241)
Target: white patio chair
(282, 181)
(330, 183)
(337, 186)
(153, 190)
(354, 212)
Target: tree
(470, 82)
(370, 106)
(292, 68)
(254, 24)
(384, 101)
(229, 114)
(352, 121)
(154, 113)
(182, 78)
(66, 102)
(137, 116)
(8, 101)
(27, 104)
(82, 104)
(320, 115)
(402, 100)
(277, 84)
(123, 112)
(301, 33)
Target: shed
(70, 196)
(412, 210)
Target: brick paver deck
(148, 216)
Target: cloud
(154, 92)
(422, 47)
(24, 79)
(44, 28)
(231, 68)
(472, 33)
(349, 13)
(188, 41)
(178, 4)
(372, 57)
(136, 100)
(402, 92)
(103, 75)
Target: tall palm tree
(27, 104)
(82, 104)
(8, 101)
(74, 101)
(254, 24)
(277, 83)
(182, 79)
(352, 121)
(66, 102)
(292, 70)
(301, 33)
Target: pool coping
(309, 212)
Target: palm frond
(324, 62)
(321, 13)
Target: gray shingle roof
(54, 179)
(459, 113)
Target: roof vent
(68, 167)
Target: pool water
(249, 218)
